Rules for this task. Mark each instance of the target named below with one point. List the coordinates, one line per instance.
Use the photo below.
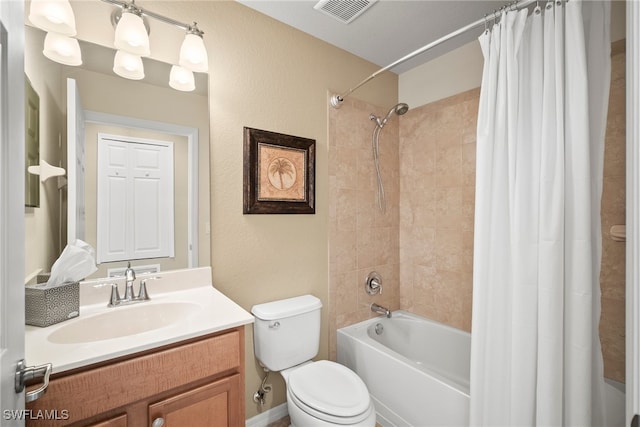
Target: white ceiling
(387, 31)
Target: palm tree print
(282, 167)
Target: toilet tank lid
(286, 307)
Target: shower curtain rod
(336, 100)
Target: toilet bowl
(325, 393)
(286, 337)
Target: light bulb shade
(62, 49)
(181, 79)
(53, 15)
(128, 65)
(131, 35)
(193, 54)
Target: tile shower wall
(423, 245)
(437, 173)
(361, 238)
(437, 178)
(612, 280)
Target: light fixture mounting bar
(145, 12)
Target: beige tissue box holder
(45, 307)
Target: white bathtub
(417, 371)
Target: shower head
(399, 109)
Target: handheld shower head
(399, 109)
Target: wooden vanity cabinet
(194, 383)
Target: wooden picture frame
(279, 173)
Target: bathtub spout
(380, 310)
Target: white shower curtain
(535, 352)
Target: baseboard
(267, 417)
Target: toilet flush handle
(274, 325)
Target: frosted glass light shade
(62, 49)
(131, 35)
(181, 79)
(128, 65)
(53, 15)
(193, 54)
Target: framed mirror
(77, 104)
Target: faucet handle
(115, 296)
(142, 294)
(373, 284)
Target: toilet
(286, 336)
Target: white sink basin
(184, 305)
(120, 322)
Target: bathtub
(417, 371)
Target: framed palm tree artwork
(279, 173)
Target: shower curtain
(535, 352)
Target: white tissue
(77, 261)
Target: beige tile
(469, 164)
(449, 213)
(347, 286)
(449, 165)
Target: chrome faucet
(380, 310)
(129, 296)
(130, 277)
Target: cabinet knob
(158, 422)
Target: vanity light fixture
(62, 49)
(128, 65)
(181, 79)
(131, 34)
(193, 54)
(57, 18)
(54, 16)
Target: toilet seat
(329, 391)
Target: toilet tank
(286, 332)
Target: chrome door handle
(27, 373)
(158, 422)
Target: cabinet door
(119, 421)
(213, 405)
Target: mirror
(146, 109)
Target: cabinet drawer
(95, 391)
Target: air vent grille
(344, 10)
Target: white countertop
(213, 312)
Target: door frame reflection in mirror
(191, 134)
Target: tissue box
(46, 306)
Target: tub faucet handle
(373, 284)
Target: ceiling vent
(344, 10)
